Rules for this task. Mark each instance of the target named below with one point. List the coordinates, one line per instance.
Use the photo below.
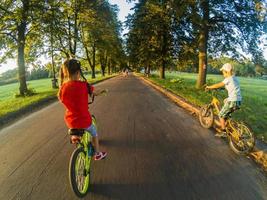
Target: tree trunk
(102, 69)
(112, 66)
(69, 37)
(103, 61)
(109, 69)
(54, 80)
(148, 70)
(164, 52)
(93, 65)
(102, 64)
(162, 70)
(21, 64)
(203, 45)
(88, 58)
(21, 46)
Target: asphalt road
(156, 151)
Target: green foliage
(12, 73)
(12, 14)
(188, 33)
(38, 72)
(30, 92)
(149, 41)
(177, 80)
(59, 29)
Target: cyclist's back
(74, 95)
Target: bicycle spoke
(80, 173)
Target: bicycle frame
(84, 143)
(216, 104)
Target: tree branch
(9, 34)
(215, 20)
(7, 11)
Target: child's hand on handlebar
(207, 88)
(97, 93)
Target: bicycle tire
(246, 138)
(206, 116)
(77, 154)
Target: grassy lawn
(43, 88)
(254, 92)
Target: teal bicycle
(81, 159)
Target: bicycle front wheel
(206, 116)
(241, 138)
(79, 172)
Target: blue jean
(92, 130)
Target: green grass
(254, 92)
(43, 88)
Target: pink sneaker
(100, 155)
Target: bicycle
(240, 137)
(81, 158)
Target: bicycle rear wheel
(206, 116)
(241, 138)
(79, 172)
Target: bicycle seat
(74, 131)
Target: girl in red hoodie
(74, 95)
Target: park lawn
(43, 88)
(254, 92)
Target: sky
(124, 10)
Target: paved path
(156, 151)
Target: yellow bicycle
(240, 137)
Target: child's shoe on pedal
(100, 155)
(221, 134)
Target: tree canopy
(192, 31)
(86, 29)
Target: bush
(30, 92)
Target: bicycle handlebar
(102, 92)
(214, 90)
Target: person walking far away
(73, 94)
(233, 102)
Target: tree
(149, 41)
(100, 34)
(19, 31)
(225, 27)
(52, 31)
